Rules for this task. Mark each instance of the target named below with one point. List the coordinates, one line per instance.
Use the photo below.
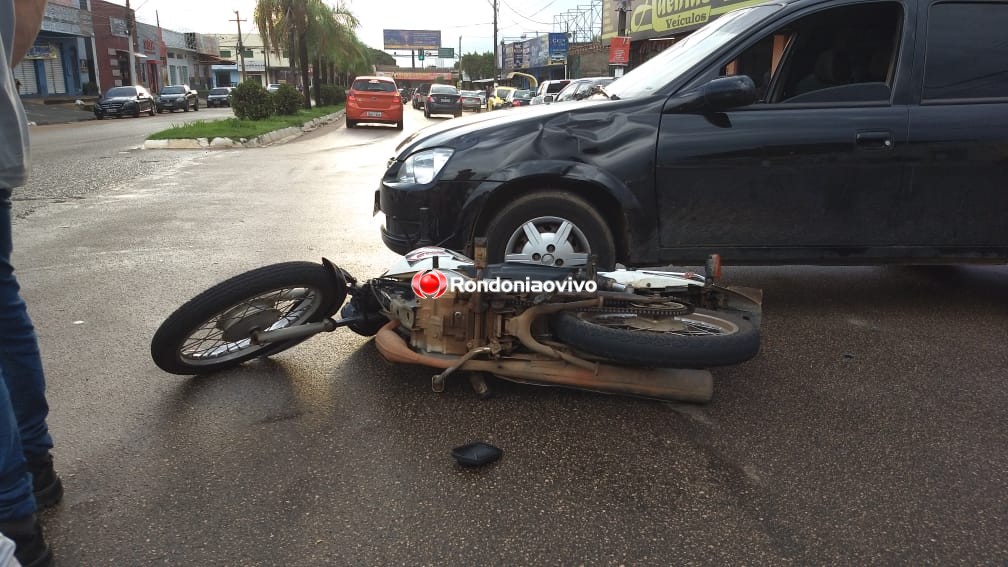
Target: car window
(838, 55)
(121, 91)
(660, 70)
(502, 93)
(443, 89)
(555, 87)
(969, 64)
(373, 85)
(172, 90)
(218, 91)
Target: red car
(374, 99)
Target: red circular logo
(431, 284)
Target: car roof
(369, 77)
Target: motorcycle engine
(439, 325)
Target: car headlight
(422, 167)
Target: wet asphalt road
(871, 428)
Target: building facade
(61, 62)
(260, 66)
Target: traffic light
(420, 55)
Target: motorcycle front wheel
(212, 331)
(697, 340)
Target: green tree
(314, 31)
(478, 65)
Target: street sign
(446, 53)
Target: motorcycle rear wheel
(698, 340)
(211, 331)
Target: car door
(959, 131)
(812, 172)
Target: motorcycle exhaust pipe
(681, 384)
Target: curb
(280, 136)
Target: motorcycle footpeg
(438, 382)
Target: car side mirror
(720, 94)
(548, 99)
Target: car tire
(99, 117)
(136, 113)
(351, 123)
(547, 211)
(426, 113)
(195, 106)
(150, 111)
(399, 125)
(458, 115)
(185, 107)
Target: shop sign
(42, 51)
(619, 51)
(648, 19)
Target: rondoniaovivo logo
(430, 284)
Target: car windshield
(502, 93)
(373, 85)
(443, 89)
(121, 91)
(523, 94)
(555, 87)
(568, 92)
(173, 90)
(218, 91)
(662, 69)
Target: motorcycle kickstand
(438, 380)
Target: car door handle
(874, 140)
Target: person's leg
(19, 352)
(21, 372)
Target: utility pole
(496, 58)
(131, 33)
(241, 48)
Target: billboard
(412, 39)
(648, 19)
(619, 51)
(541, 51)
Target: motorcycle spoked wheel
(211, 331)
(699, 339)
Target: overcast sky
(470, 19)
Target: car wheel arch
(603, 200)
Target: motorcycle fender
(338, 275)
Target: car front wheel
(551, 228)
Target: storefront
(544, 57)
(61, 60)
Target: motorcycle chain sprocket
(628, 306)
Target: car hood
(472, 128)
(117, 99)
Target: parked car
(274, 87)
(801, 132)
(443, 99)
(579, 89)
(551, 87)
(473, 100)
(177, 97)
(219, 96)
(374, 100)
(420, 95)
(125, 101)
(518, 98)
(498, 96)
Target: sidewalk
(41, 114)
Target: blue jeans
(23, 406)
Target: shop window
(225, 53)
(961, 64)
(844, 54)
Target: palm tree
(305, 25)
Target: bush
(329, 95)
(287, 101)
(251, 101)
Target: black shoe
(26, 533)
(46, 483)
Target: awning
(207, 59)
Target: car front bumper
(427, 215)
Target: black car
(220, 96)
(420, 95)
(443, 99)
(125, 101)
(177, 97)
(798, 132)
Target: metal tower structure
(582, 24)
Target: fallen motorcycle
(644, 333)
